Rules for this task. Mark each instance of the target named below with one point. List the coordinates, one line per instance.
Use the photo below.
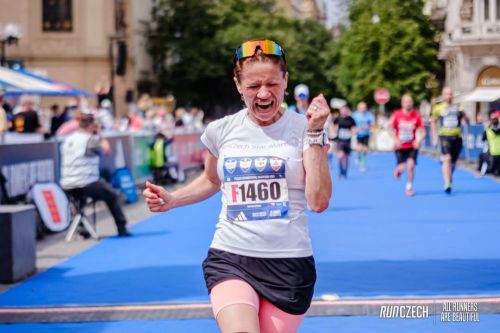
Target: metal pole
(2, 54)
(112, 73)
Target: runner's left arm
(318, 181)
(423, 132)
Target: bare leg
(410, 164)
(400, 168)
(341, 159)
(238, 318)
(446, 169)
(346, 162)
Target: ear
(238, 85)
(286, 80)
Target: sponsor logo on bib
(260, 163)
(230, 165)
(275, 163)
(245, 164)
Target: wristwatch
(317, 140)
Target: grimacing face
(262, 85)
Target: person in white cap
(301, 94)
(105, 115)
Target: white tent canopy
(482, 94)
(18, 82)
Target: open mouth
(265, 106)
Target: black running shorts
(344, 145)
(287, 283)
(451, 145)
(402, 155)
(363, 140)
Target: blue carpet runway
(372, 241)
(352, 324)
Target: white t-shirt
(263, 186)
(78, 169)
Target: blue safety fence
(472, 142)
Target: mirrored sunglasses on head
(249, 48)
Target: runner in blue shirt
(364, 123)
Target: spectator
(80, 155)
(26, 121)
(71, 125)
(6, 106)
(198, 119)
(179, 117)
(484, 160)
(58, 118)
(301, 94)
(105, 115)
(188, 119)
(493, 137)
(103, 90)
(4, 123)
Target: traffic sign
(382, 96)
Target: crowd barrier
(472, 142)
(24, 163)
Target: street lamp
(9, 34)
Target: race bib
(255, 188)
(405, 135)
(450, 121)
(344, 134)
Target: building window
(57, 15)
(498, 10)
(486, 8)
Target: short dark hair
(87, 120)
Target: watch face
(319, 140)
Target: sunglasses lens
(249, 48)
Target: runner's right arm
(203, 187)
(392, 130)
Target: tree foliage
(192, 43)
(398, 53)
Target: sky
(336, 11)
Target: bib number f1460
(255, 188)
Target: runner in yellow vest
(447, 120)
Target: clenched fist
(317, 113)
(157, 198)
